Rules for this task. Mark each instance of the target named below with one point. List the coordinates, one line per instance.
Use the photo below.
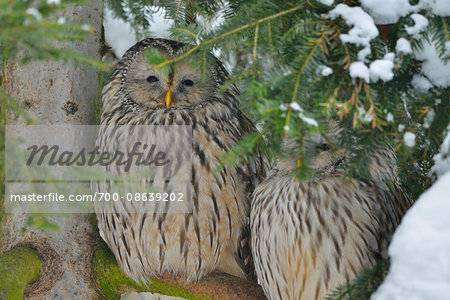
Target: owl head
(150, 82)
(323, 155)
(319, 151)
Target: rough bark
(57, 93)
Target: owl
(309, 237)
(212, 235)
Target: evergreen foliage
(363, 285)
(276, 51)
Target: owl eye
(187, 82)
(323, 147)
(152, 79)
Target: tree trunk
(58, 93)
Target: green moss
(109, 278)
(18, 267)
(112, 282)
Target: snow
(118, 34)
(325, 71)
(326, 2)
(53, 2)
(364, 116)
(420, 249)
(420, 24)
(403, 46)
(409, 138)
(389, 56)
(309, 121)
(363, 30)
(441, 8)
(433, 67)
(359, 70)
(429, 118)
(390, 117)
(32, 11)
(442, 159)
(381, 69)
(363, 27)
(363, 53)
(390, 11)
(420, 83)
(296, 106)
(438, 7)
(386, 11)
(158, 24)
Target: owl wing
(391, 203)
(252, 171)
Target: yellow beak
(168, 98)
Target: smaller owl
(310, 237)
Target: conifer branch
(178, 11)
(231, 32)
(444, 23)
(302, 69)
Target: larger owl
(311, 236)
(212, 235)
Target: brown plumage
(310, 237)
(212, 235)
